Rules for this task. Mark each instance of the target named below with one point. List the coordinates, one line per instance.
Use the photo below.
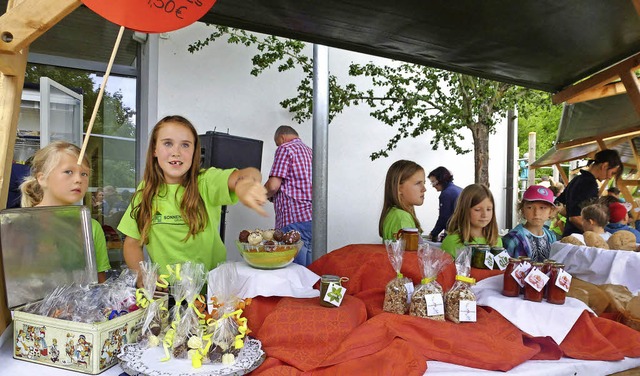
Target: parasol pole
(100, 93)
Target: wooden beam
(597, 80)
(608, 90)
(563, 174)
(603, 136)
(25, 22)
(636, 4)
(630, 82)
(601, 143)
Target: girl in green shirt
(403, 190)
(473, 221)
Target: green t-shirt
(452, 243)
(100, 247)
(168, 230)
(395, 220)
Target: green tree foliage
(118, 120)
(411, 98)
(544, 121)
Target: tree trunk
(480, 134)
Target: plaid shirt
(292, 202)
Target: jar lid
(330, 278)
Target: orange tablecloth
(300, 336)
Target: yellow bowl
(268, 256)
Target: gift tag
(435, 304)
(502, 260)
(520, 272)
(467, 311)
(564, 280)
(409, 286)
(335, 294)
(537, 279)
(488, 260)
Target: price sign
(151, 16)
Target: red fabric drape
(300, 336)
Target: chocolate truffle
(277, 235)
(244, 236)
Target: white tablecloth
(562, 367)
(539, 319)
(599, 266)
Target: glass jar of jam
(546, 269)
(325, 280)
(530, 293)
(524, 259)
(555, 295)
(510, 287)
(479, 252)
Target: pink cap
(538, 193)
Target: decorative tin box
(43, 248)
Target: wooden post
(24, 21)
(532, 158)
(12, 70)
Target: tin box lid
(43, 248)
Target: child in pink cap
(532, 238)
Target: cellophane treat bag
(145, 297)
(188, 340)
(397, 294)
(228, 328)
(460, 301)
(428, 299)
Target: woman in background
(442, 180)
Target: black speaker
(223, 150)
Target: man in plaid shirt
(289, 188)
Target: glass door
(60, 113)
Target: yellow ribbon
(200, 315)
(242, 327)
(168, 342)
(141, 298)
(463, 278)
(176, 271)
(426, 280)
(162, 281)
(196, 359)
(399, 275)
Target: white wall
(213, 88)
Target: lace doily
(136, 360)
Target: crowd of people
(548, 211)
(175, 210)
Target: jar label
(409, 286)
(488, 260)
(564, 280)
(536, 279)
(467, 311)
(502, 260)
(520, 272)
(335, 293)
(435, 304)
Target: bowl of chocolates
(269, 249)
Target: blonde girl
(403, 189)
(56, 179)
(175, 210)
(473, 221)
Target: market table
(299, 335)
